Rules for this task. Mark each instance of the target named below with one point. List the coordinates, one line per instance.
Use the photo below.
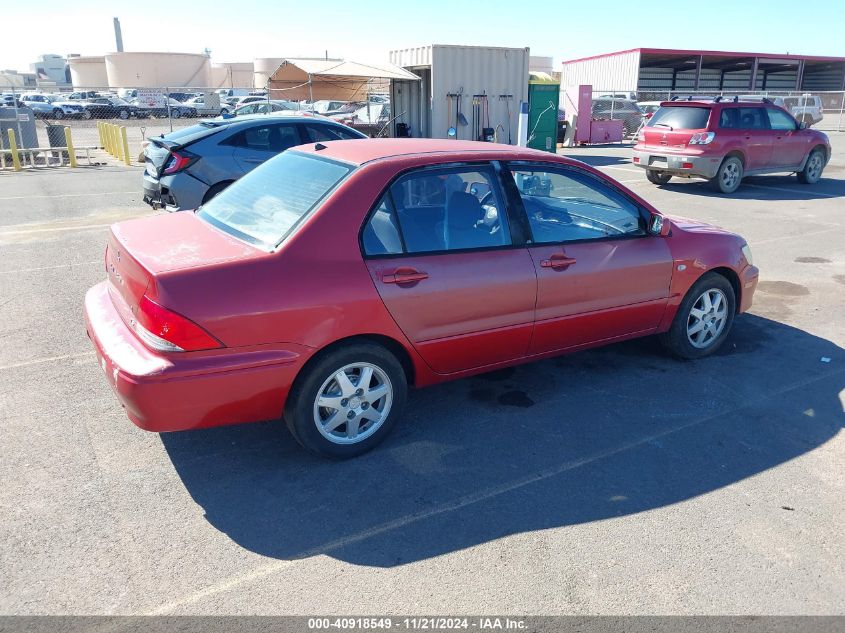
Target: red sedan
(325, 282)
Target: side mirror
(659, 225)
(803, 125)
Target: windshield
(680, 118)
(264, 206)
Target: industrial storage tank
(155, 70)
(264, 69)
(88, 72)
(232, 75)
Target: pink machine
(587, 129)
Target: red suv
(724, 141)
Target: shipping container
(468, 88)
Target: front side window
(267, 204)
(565, 206)
(780, 120)
(450, 209)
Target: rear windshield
(189, 134)
(264, 206)
(680, 118)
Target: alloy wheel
(730, 175)
(814, 168)
(707, 318)
(353, 403)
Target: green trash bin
(543, 103)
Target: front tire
(704, 319)
(176, 113)
(813, 168)
(729, 176)
(658, 177)
(58, 114)
(347, 401)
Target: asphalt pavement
(612, 481)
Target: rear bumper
(176, 192)
(701, 166)
(176, 392)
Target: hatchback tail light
(166, 331)
(702, 138)
(177, 161)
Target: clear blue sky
(240, 30)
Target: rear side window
(680, 118)
(381, 234)
(266, 138)
(329, 133)
(744, 119)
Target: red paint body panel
(272, 311)
(474, 308)
(606, 275)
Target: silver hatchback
(188, 167)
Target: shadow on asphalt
(763, 188)
(587, 437)
(597, 160)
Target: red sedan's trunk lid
(139, 250)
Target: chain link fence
(149, 112)
(823, 111)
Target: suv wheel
(729, 176)
(86, 114)
(346, 402)
(812, 169)
(704, 319)
(58, 113)
(658, 177)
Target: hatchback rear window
(190, 134)
(680, 118)
(266, 205)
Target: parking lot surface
(610, 481)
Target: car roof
(286, 115)
(361, 151)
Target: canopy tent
(337, 79)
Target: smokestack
(118, 36)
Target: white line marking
(31, 270)
(71, 195)
(460, 503)
(38, 361)
(81, 227)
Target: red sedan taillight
(177, 162)
(166, 331)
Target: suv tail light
(702, 138)
(177, 161)
(166, 331)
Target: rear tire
(214, 190)
(729, 176)
(813, 168)
(177, 113)
(58, 114)
(701, 324)
(657, 177)
(123, 114)
(366, 411)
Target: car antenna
(319, 146)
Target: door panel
(613, 288)
(749, 128)
(471, 309)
